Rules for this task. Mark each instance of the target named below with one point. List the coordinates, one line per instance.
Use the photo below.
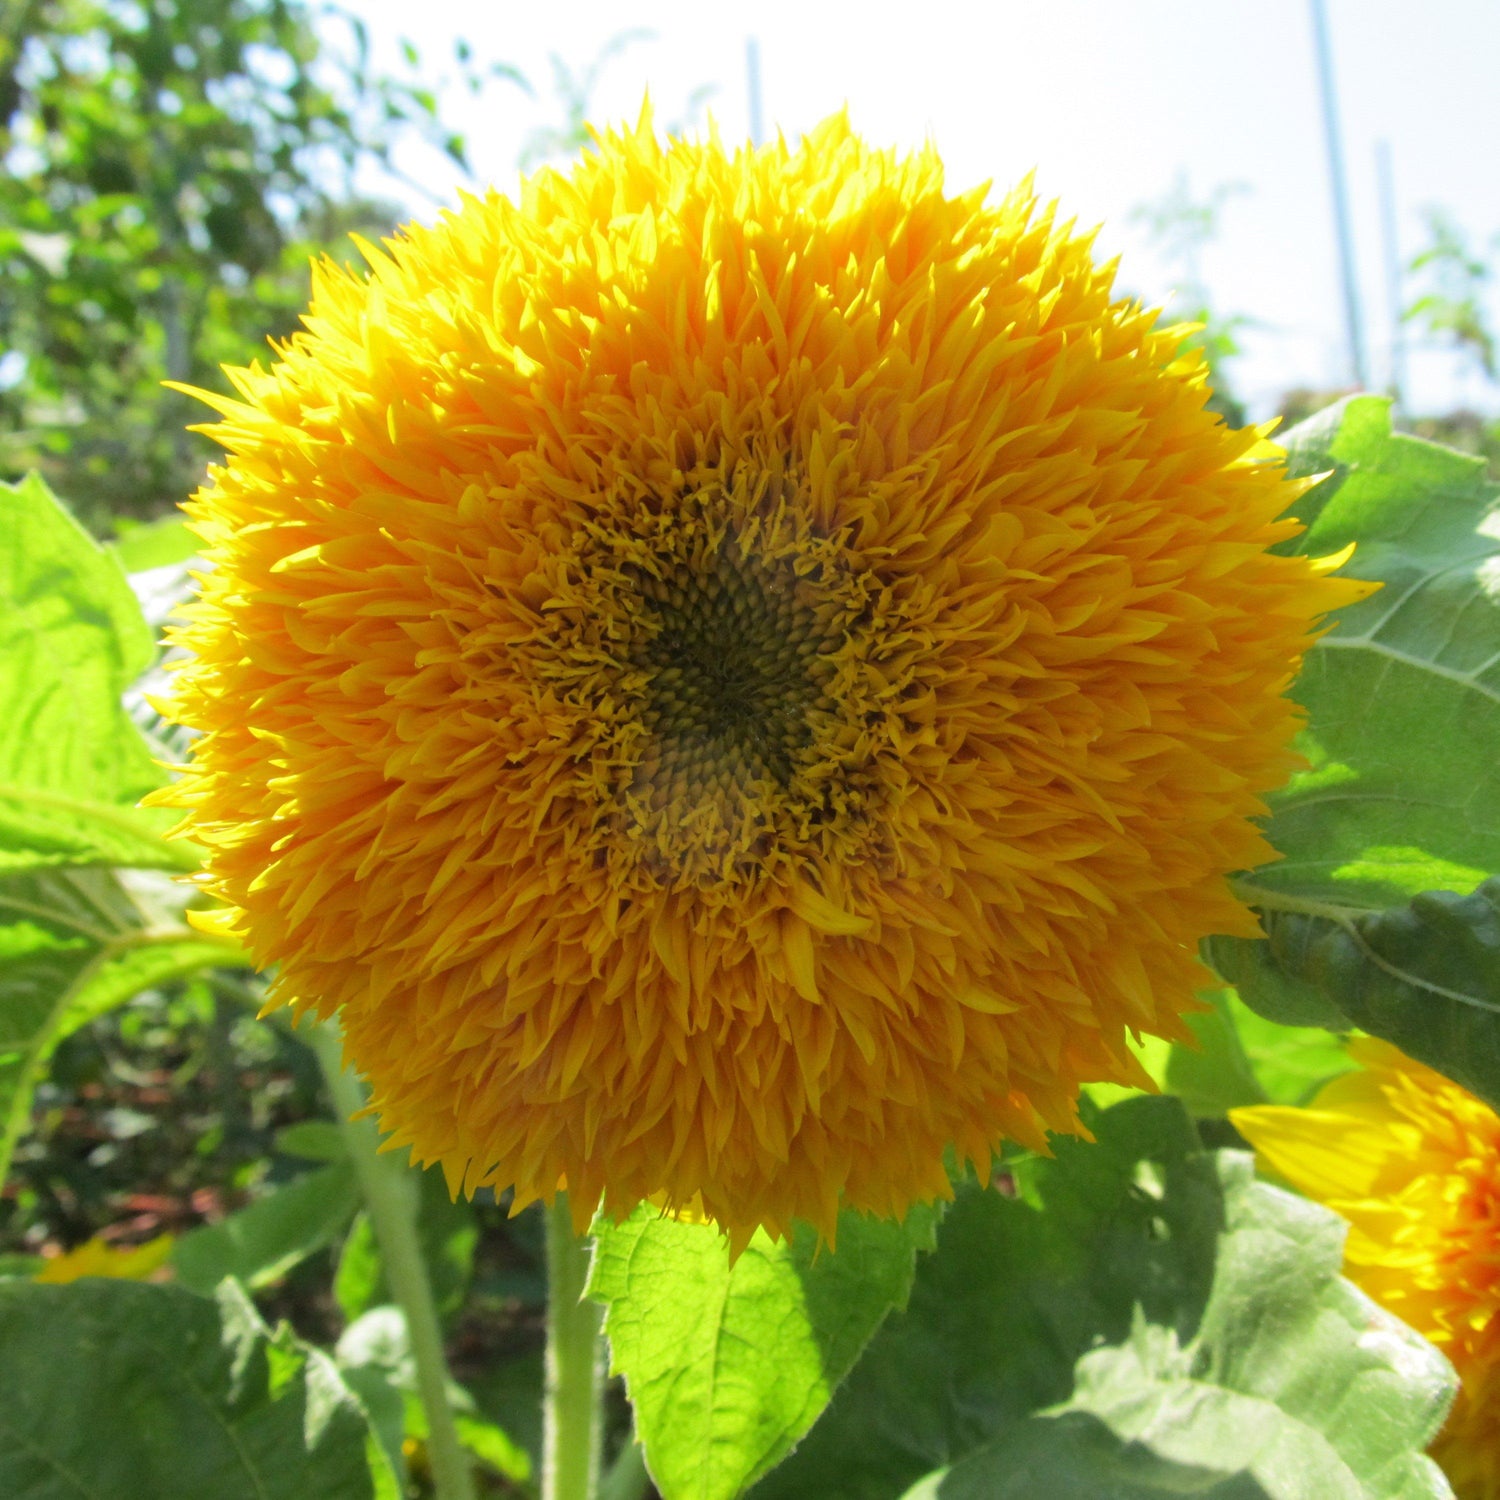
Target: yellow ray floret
(734, 675)
(1412, 1161)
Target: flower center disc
(717, 655)
(734, 668)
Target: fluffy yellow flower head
(734, 675)
(1412, 1161)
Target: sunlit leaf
(1403, 695)
(374, 1354)
(1290, 1063)
(1402, 796)
(72, 639)
(156, 544)
(1294, 1385)
(727, 1366)
(1215, 1075)
(1242, 1058)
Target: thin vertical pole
(752, 83)
(1353, 329)
(1385, 176)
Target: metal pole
(1390, 243)
(752, 81)
(1353, 329)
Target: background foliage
(171, 167)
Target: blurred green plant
(1180, 226)
(169, 169)
(574, 90)
(1453, 309)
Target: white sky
(1107, 101)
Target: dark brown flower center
(728, 677)
(734, 666)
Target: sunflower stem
(389, 1190)
(573, 1423)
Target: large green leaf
(1214, 1073)
(1015, 1293)
(1403, 695)
(117, 1390)
(727, 1366)
(72, 639)
(1290, 1063)
(1424, 975)
(260, 1243)
(1402, 795)
(74, 943)
(1109, 1330)
(1296, 1387)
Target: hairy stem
(573, 1426)
(389, 1189)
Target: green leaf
(1242, 1058)
(727, 1366)
(1402, 795)
(260, 1243)
(312, 1140)
(493, 1447)
(1424, 975)
(385, 1407)
(116, 1390)
(378, 1340)
(448, 1233)
(1216, 1075)
(1015, 1293)
(374, 1352)
(1144, 1319)
(485, 1440)
(75, 943)
(1266, 981)
(72, 639)
(154, 544)
(1296, 1384)
(1403, 695)
(1290, 1063)
(359, 1279)
(509, 1393)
